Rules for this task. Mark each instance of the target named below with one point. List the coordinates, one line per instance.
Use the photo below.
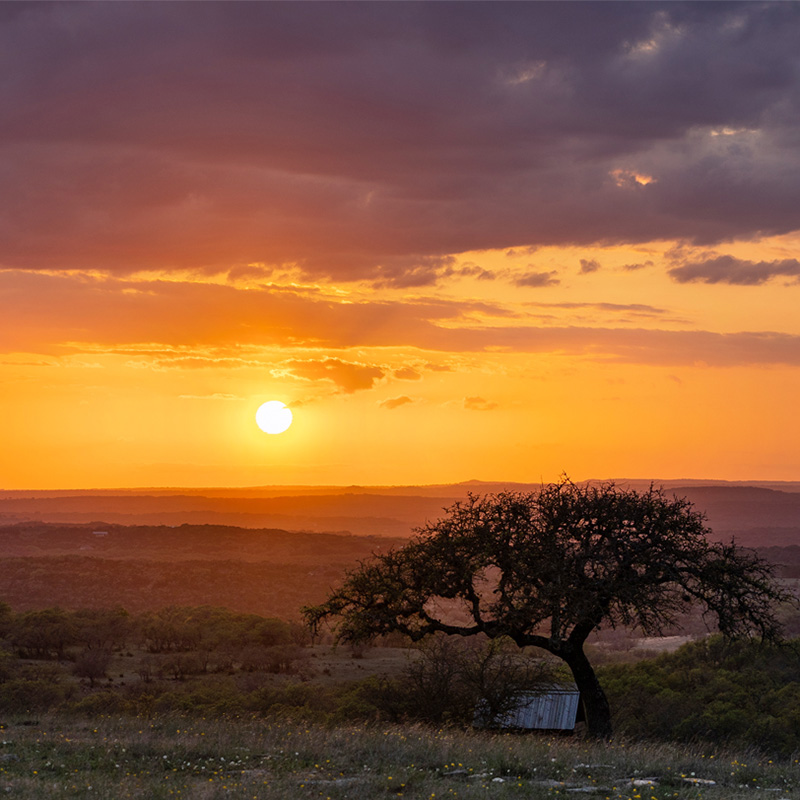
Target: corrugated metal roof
(552, 709)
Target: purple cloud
(727, 269)
(373, 140)
(537, 279)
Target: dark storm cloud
(727, 269)
(372, 139)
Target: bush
(105, 702)
(209, 697)
(447, 678)
(734, 693)
(23, 695)
(9, 664)
(296, 701)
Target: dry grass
(171, 757)
(325, 664)
(339, 664)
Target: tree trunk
(595, 703)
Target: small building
(554, 708)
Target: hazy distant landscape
(271, 550)
(757, 514)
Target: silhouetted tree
(549, 567)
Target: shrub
(23, 695)
(737, 693)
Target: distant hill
(188, 542)
(270, 571)
(756, 513)
(364, 513)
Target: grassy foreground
(168, 757)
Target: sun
(273, 417)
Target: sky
(494, 241)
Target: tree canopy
(547, 568)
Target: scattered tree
(92, 664)
(42, 634)
(102, 628)
(547, 568)
(147, 669)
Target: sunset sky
(459, 240)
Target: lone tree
(547, 568)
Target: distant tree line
(146, 583)
(175, 641)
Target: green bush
(209, 697)
(739, 693)
(23, 695)
(103, 702)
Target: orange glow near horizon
(612, 373)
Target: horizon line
(443, 484)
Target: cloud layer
(373, 140)
(179, 322)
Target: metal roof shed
(554, 708)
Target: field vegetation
(216, 663)
(170, 697)
(173, 755)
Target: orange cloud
(52, 314)
(407, 374)
(478, 404)
(395, 402)
(348, 376)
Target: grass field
(169, 757)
